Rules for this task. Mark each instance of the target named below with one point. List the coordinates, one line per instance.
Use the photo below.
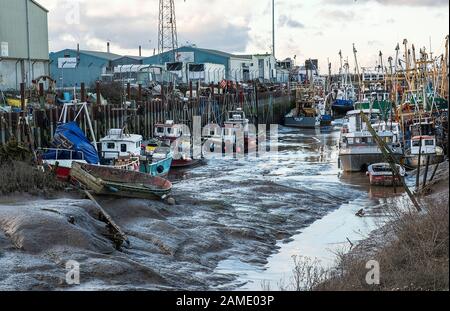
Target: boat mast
(444, 69)
(357, 71)
(340, 68)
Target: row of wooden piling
(141, 116)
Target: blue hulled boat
(342, 106)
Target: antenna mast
(167, 34)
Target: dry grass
(21, 177)
(416, 259)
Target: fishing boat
(178, 137)
(107, 180)
(424, 147)
(381, 174)
(343, 104)
(157, 162)
(236, 133)
(357, 148)
(125, 151)
(344, 93)
(212, 139)
(69, 145)
(306, 113)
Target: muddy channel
(235, 225)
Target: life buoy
(160, 169)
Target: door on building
(261, 68)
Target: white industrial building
(190, 63)
(24, 53)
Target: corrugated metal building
(23, 45)
(71, 67)
(236, 67)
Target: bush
(23, 177)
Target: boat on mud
(236, 133)
(178, 137)
(123, 150)
(424, 147)
(106, 180)
(69, 145)
(357, 148)
(381, 174)
(306, 113)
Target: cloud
(135, 22)
(424, 3)
(338, 15)
(285, 21)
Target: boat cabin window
(429, 142)
(111, 146)
(160, 130)
(138, 144)
(388, 139)
(351, 141)
(123, 148)
(416, 143)
(169, 130)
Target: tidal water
(236, 225)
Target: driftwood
(118, 235)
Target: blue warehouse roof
(201, 56)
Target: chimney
(107, 47)
(140, 51)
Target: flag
(223, 84)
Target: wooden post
(139, 95)
(83, 92)
(418, 166)
(129, 91)
(97, 91)
(118, 235)
(257, 106)
(2, 128)
(426, 171)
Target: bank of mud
(228, 209)
(412, 248)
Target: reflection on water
(311, 165)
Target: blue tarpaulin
(69, 136)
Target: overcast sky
(306, 28)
